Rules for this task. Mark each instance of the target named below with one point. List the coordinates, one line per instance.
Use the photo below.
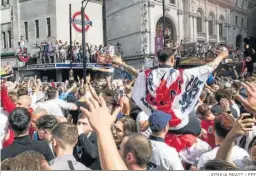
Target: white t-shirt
(237, 156)
(142, 116)
(3, 127)
(235, 107)
(165, 157)
(55, 106)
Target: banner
(42, 66)
(159, 43)
(67, 66)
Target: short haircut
(252, 143)
(13, 96)
(203, 110)
(129, 125)
(51, 92)
(28, 160)
(40, 110)
(46, 122)
(22, 91)
(223, 93)
(19, 120)
(203, 95)
(219, 165)
(237, 85)
(82, 116)
(140, 146)
(81, 92)
(223, 123)
(111, 104)
(164, 54)
(211, 100)
(67, 133)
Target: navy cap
(158, 120)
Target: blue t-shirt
(210, 80)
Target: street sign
(77, 22)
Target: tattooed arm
(129, 69)
(215, 63)
(126, 67)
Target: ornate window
(37, 28)
(10, 39)
(3, 40)
(49, 33)
(172, 1)
(211, 24)
(221, 26)
(199, 21)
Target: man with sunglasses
(86, 149)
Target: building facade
(45, 20)
(252, 18)
(136, 23)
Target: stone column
(227, 34)
(218, 32)
(180, 34)
(191, 28)
(206, 20)
(206, 29)
(195, 29)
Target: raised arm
(92, 90)
(216, 62)
(240, 127)
(128, 68)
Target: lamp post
(83, 37)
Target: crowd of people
(57, 51)
(163, 119)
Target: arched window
(211, 24)
(3, 40)
(170, 32)
(221, 25)
(199, 21)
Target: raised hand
(82, 81)
(242, 126)
(98, 114)
(250, 102)
(88, 79)
(225, 104)
(224, 53)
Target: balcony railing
(213, 38)
(223, 39)
(201, 35)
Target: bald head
(24, 101)
(37, 113)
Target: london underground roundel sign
(77, 23)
